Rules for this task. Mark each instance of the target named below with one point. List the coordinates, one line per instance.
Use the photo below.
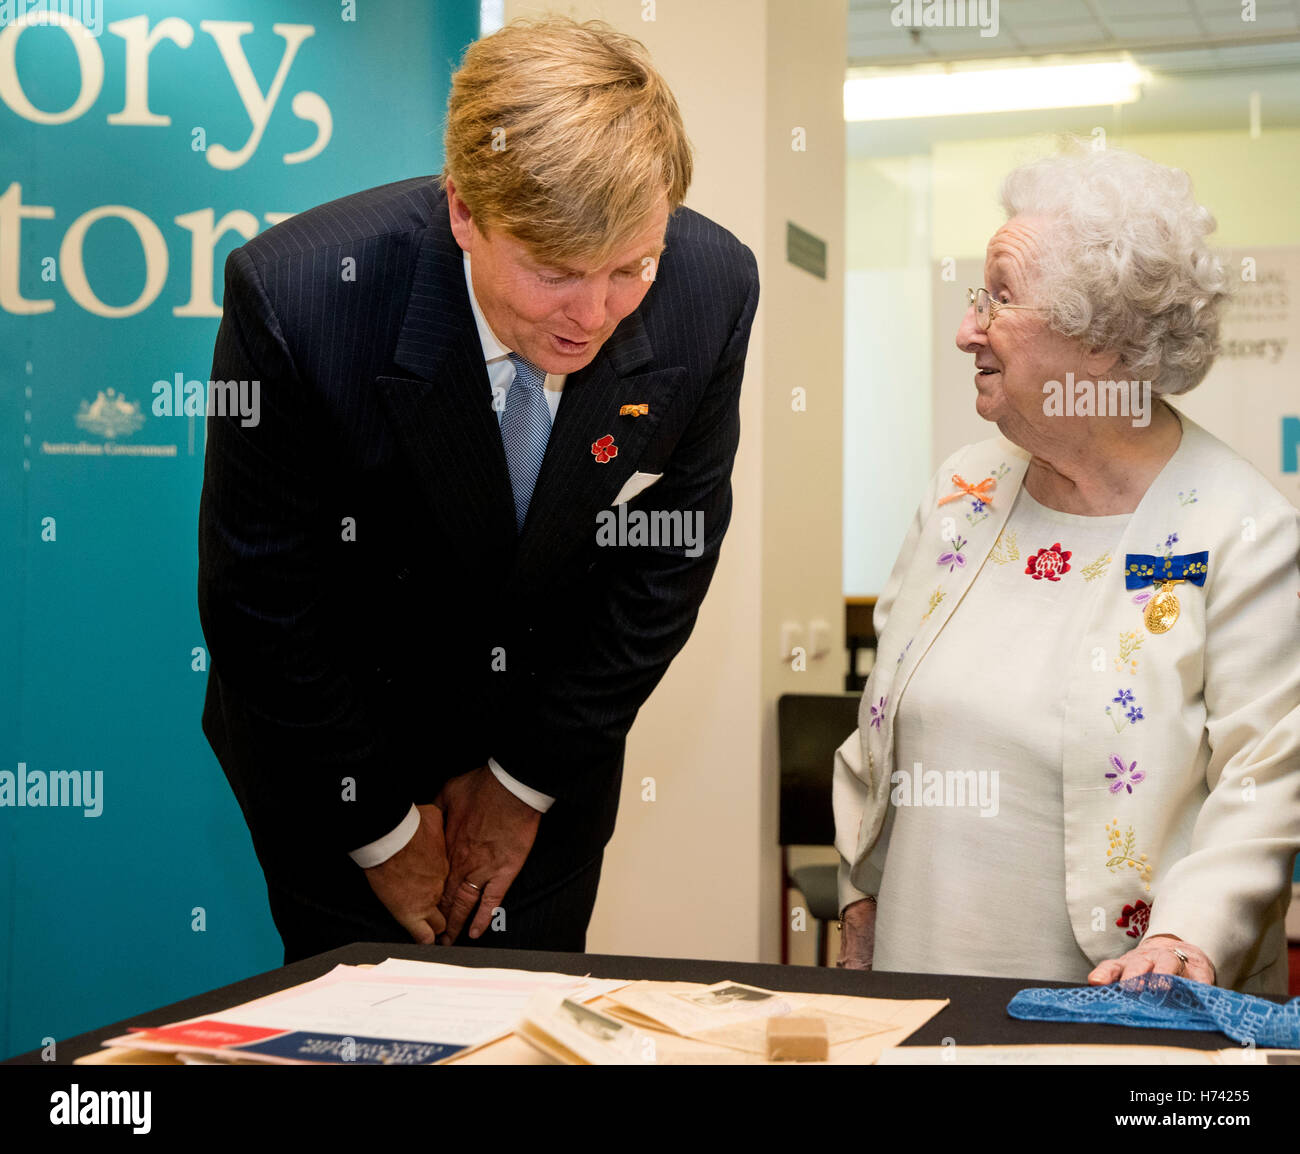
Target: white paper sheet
(411, 1001)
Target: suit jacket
(376, 624)
(1215, 825)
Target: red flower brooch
(1049, 563)
(605, 450)
(1135, 917)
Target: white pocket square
(634, 485)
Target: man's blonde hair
(564, 136)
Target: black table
(976, 1014)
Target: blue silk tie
(525, 429)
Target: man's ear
(462, 223)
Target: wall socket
(814, 639)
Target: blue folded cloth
(1165, 1002)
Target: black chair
(810, 728)
(859, 633)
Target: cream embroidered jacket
(1204, 845)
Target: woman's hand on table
(1156, 956)
(858, 935)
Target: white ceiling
(1206, 66)
(1068, 26)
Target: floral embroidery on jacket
(1136, 918)
(935, 598)
(1122, 853)
(878, 713)
(1129, 644)
(1127, 713)
(1123, 776)
(1097, 568)
(979, 511)
(1049, 563)
(1188, 498)
(1005, 548)
(953, 557)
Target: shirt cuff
(848, 892)
(539, 801)
(378, 852)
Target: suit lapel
(441, 410)
(921, 614)
(977, 549)
(574, 484)
(1116, 622)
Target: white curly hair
(1124, 265)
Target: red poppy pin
(604, 450)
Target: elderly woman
(1078, 755)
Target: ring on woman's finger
(476, 889)
(1182, 961)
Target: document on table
(569, 1032)
(399, 1012)
(688, 1009)
(728, 1014)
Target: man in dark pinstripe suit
(425, 656)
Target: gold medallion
(1162, 610)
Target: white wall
(887, 398)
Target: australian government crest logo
(109, 418)
(109, 415)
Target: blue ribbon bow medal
(1143, 569)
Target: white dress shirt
(501, 375)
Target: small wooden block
(797, 1040)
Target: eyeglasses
(986, 308)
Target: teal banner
(140, 142)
